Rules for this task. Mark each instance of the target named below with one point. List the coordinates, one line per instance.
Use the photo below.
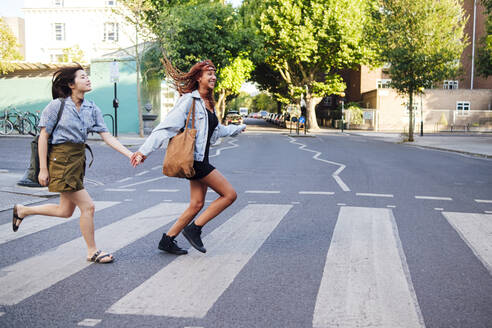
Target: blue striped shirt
(74, 125)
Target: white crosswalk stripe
(38, 223)
(476, 231)
(178, 291)
(19, 281)
(365, 281)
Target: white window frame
(59, 31)
(450, 84)
(114, 32)
(383, 83)
(58, 3)
(463, 108)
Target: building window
(450, 85)
(383, 83)
(58, 3)
(110, 2)
(463, 108)
(111, 32)
(59, 31)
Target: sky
(12, 8)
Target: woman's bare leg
(227, 195)
(63, 210)
(198, 191)
(84, 202)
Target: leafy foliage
(8, 48)
(484, 55)
(423, 41)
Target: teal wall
(103, 93)
(34, 93)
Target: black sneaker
(168, 244)
(192, 234)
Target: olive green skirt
(66, 167)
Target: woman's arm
(43, 176)
(115, 144)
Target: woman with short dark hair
(64, 171)
(195, 86)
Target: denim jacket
(176, 120)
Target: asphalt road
(327, 231)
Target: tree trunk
(410, 117)
(311, 103)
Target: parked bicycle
(14, 119)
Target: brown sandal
(15, 217)
(97, 257)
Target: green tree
(243, 99)
(484, 56)
(264, 101)
(8, 48)
(308, 42)
(423, 41)
(199, 30)
(232, 78)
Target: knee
(66, 212)
(88, 209)
(196, 206)
(231, 196)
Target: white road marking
(335, 174)
(36, 223)
(295, 203)
(94, 182)
(231, 142)
(142, 182)
(439, 208)
(433, 198)
(366, 282)
(391, 206)
(190, 285)
(262, 192)
(118, 189)
(341, 204)
(124, 180)
(316, 193)
(476, 231)
(2, 313)
(488, 212)
(19, 281)
(163, 190)
(157, 167)
(89, 322)
(483, 201)
(373, 195)
(141, 173)
(128, 200)
(251, 201)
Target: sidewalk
(477, 144)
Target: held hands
(137, 158)
(43, 177)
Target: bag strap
(188, 118)
(60, 112)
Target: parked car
(233, 117)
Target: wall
(84, 26)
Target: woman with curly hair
(195, 86)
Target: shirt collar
(195, 94)
(85, 103)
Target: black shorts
(202, 169)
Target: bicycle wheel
(24, 126)
(6, 127)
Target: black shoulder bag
(30, 178)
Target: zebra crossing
(365, 279)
